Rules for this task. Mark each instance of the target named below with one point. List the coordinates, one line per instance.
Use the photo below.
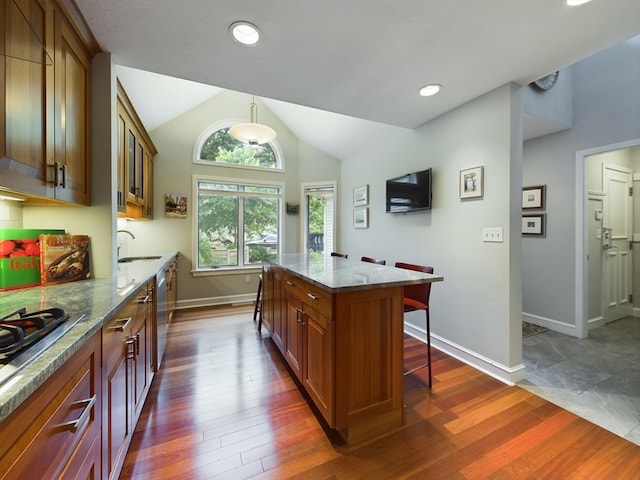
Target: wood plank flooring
(225, 406)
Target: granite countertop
(337, 274)
(95, 300)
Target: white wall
(173, 170)
(606, 89)
(475, 312)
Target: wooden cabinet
(45, 134)
(171, 279)
(344, 348)
(56, 432)
(127, 374)
(308, 345)
(272, 300)
(135, 162)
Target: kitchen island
(338, 324)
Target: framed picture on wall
(361, 196)
(361, 218)
(533, 197)
(471, 182)
(533, 224)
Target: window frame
(219, 125)
(226, 270)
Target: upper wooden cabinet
(135, 162)
(45, 76)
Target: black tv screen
(409, 192)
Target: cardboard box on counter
(20, 257)
(64, 258)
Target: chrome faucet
(128, 232)
(133, 237)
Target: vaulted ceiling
(361, 59)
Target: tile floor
(597, 378)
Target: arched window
(216, 147)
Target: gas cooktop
(24, 336)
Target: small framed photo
(471, 182)
(533, 197)
(533, 224)
(361, 196)
(175, 205)
(361, 218)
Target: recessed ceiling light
(245, 33)
(430, 89)
(575, 3)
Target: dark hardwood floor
(224, 406)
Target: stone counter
(94, 300)
(337, 274)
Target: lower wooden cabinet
(344, 348)
(56, 432)
(127, 374)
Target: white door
(616, 242)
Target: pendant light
(253, 132)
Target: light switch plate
(492, 234)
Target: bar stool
(373, 260)
(257, 310)
(416, 297)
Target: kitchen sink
(138, 259)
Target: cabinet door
(279, 330)
(116, 420)
(72, 114)
(266, 309)
(318, 371)
(122, 159)
(25, 114)
(147, 184)
(294, 332)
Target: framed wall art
(361, 196)
(175, 205)
(533, 224)
(471, 182)
(533, 197)
(361, 218)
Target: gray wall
(606, 102)
(475, 312)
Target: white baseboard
(551, 324)
(245, 299)
(508, 375)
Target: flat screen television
(409, 192)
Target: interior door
(319, 217)
(616, 242)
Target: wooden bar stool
(373, 260)
(416, 297)
(257, 310)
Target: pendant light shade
(253, 132)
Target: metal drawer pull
(74, 426)
(290, 283)
(312, 296)
(144, 299)
(130, 354)
(123, 323)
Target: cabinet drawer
(60, 421)
(318, 299)
(309, 294)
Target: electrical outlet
(492, 234)
(247, 279)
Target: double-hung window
(238, 222)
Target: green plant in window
(221, 147)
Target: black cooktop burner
(19, 330)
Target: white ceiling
(358, 58)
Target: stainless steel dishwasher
(161, 319)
